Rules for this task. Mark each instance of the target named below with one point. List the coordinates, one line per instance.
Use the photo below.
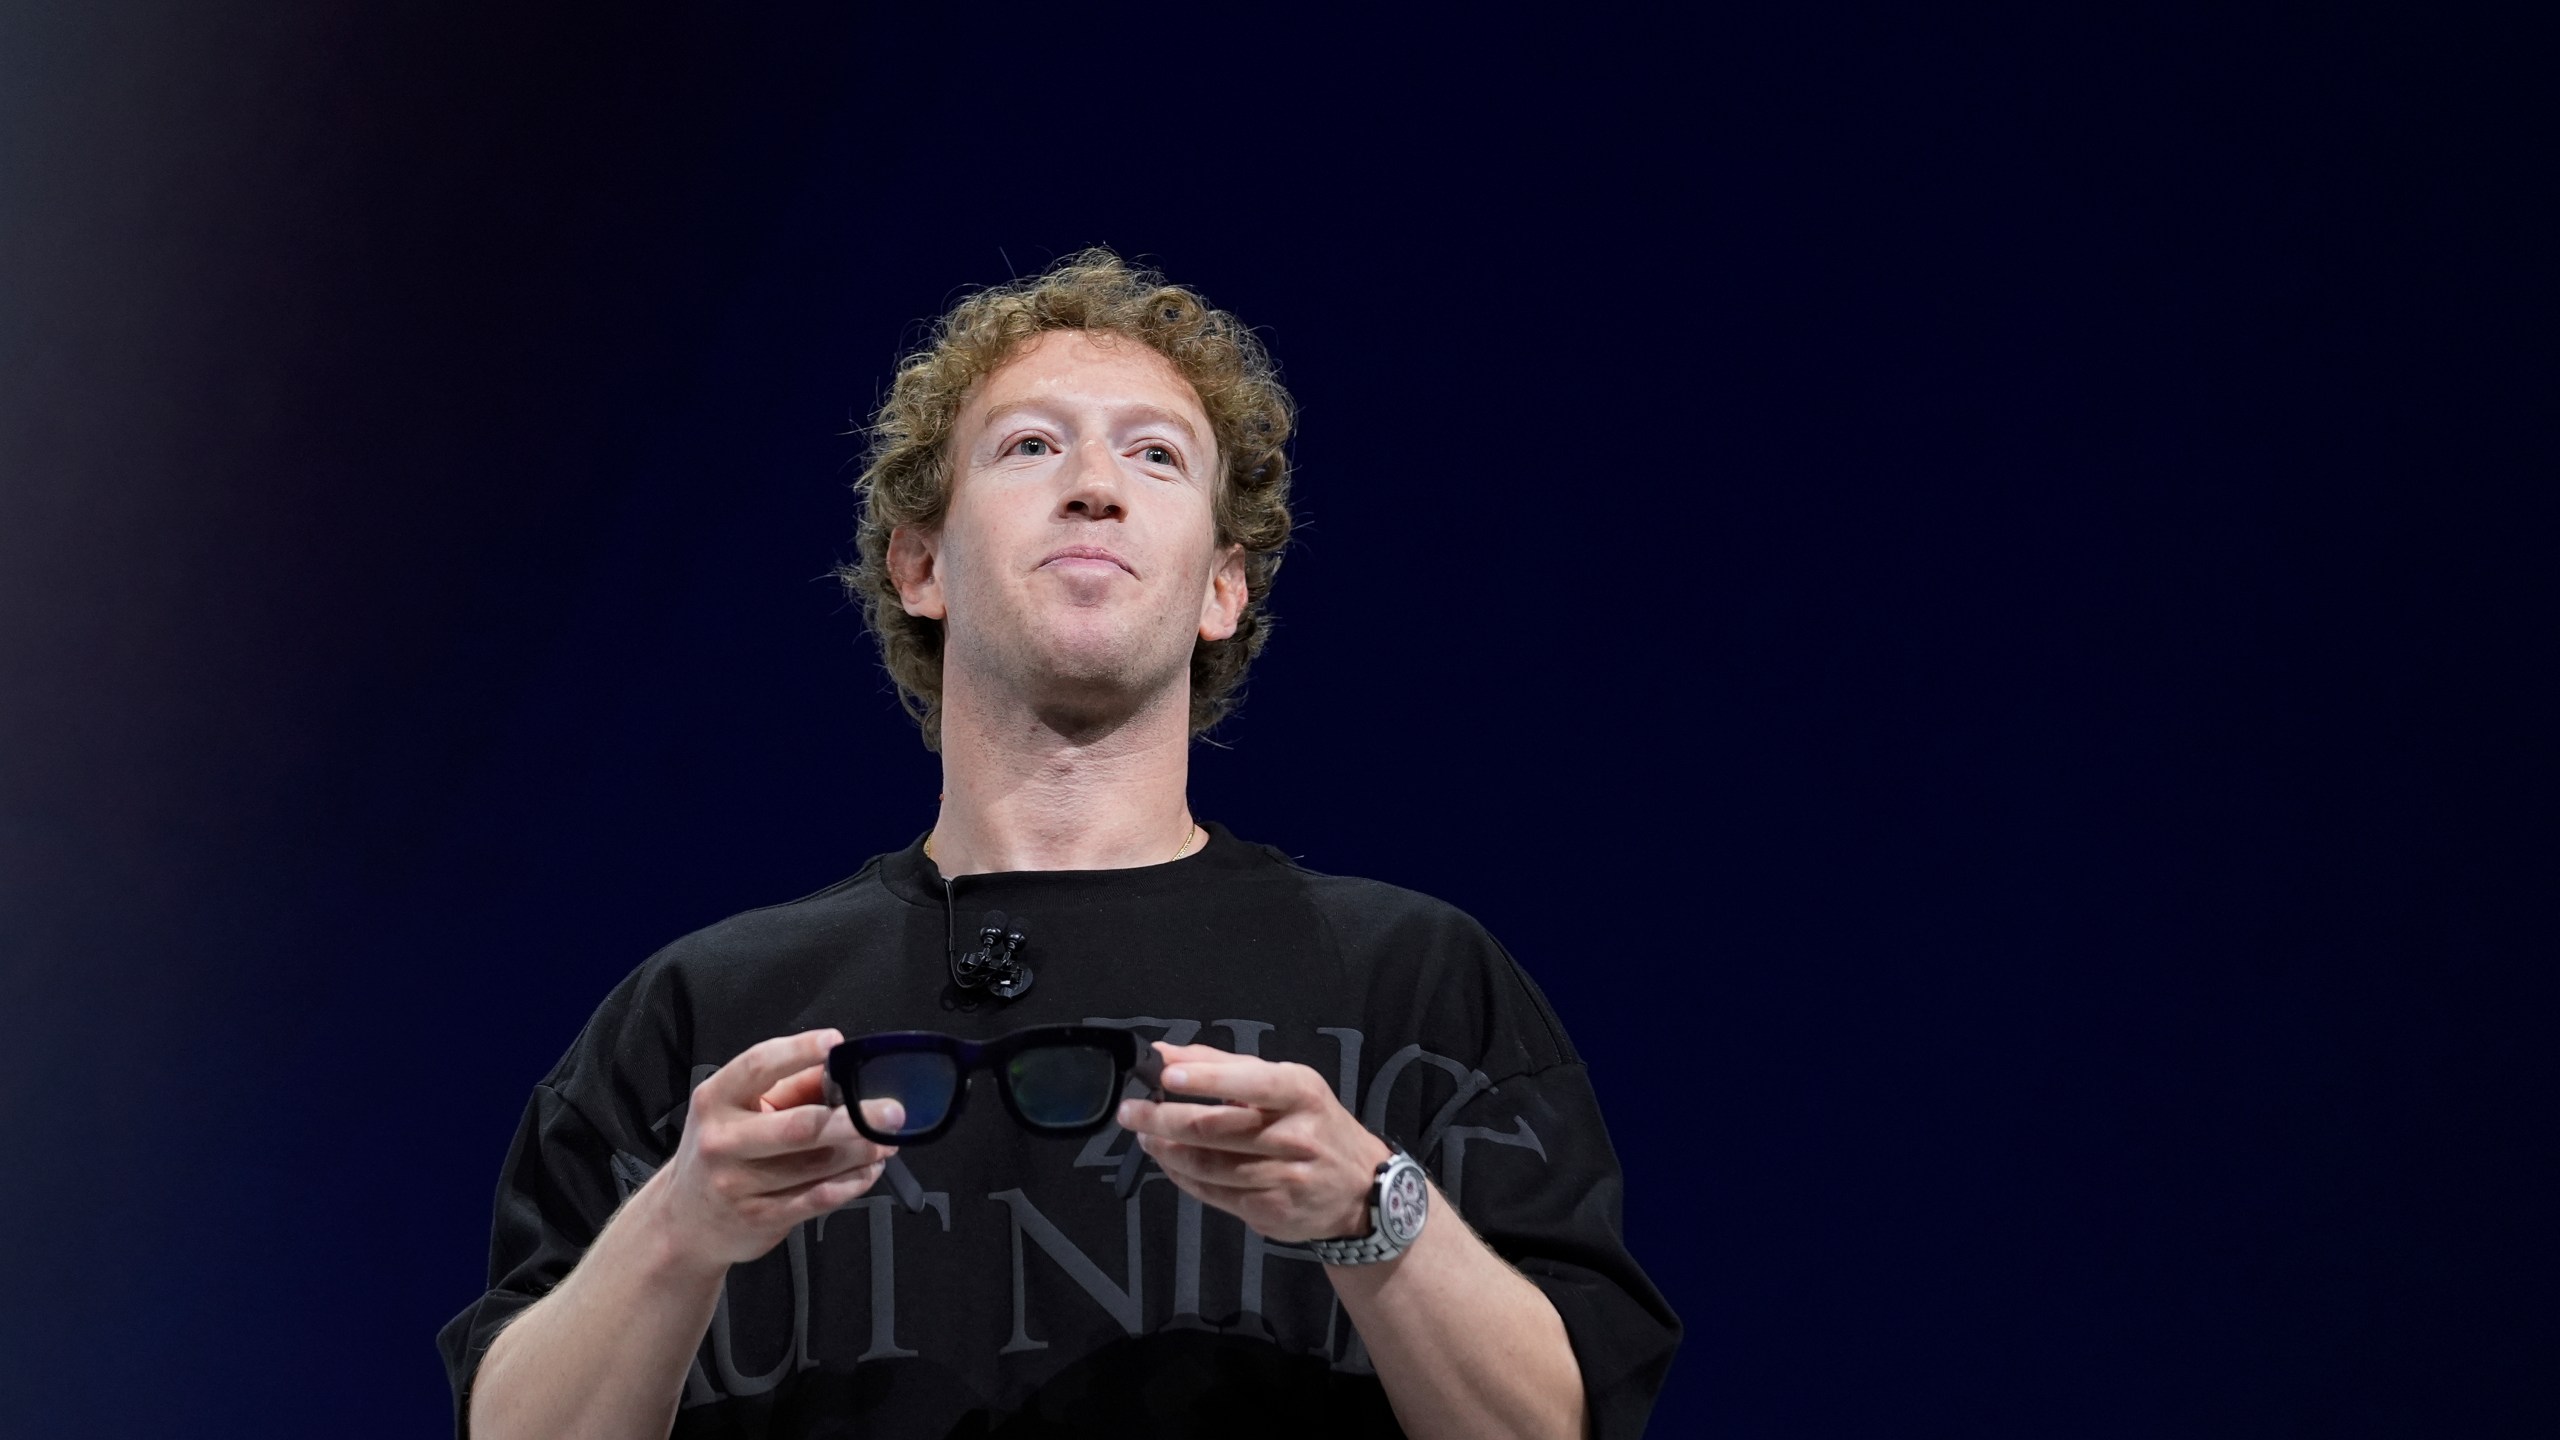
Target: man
(1075, 505)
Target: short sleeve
(561, 1183)
(1529, 1165)
(1492, 1097)
(605, 1118)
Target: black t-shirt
(993, 1283)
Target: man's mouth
(1086, 555)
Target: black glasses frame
(1129, 1056)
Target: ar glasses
(1056, 1079)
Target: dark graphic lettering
(884, 1268)
(1250, 1320)
(1186, 1258)
(1346, 1085)
(1123, 1303)
(1471, 1082)
(1453, 1151)
(1244, 1036)
(724, 1348)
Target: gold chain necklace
(1190, 831)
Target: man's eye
(1158, 455)
(1031, 445)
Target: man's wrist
(1376, 1153)
(655, 1243)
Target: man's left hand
(1283, 1155)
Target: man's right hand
(604, 1353)
(763, 1151)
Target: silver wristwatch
(1397, 1203)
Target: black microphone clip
(996, 965)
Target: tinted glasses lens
(921, 1080)
(1062, 1085)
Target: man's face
(1078, 559)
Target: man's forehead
(1089, 367)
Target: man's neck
(1021, 791)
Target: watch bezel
(1400, 1169)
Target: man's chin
(1091, 651)
(1103, 671)
(1078, 691)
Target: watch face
(1400, 1207)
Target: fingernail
(893, 1116)
(1128, 1110)
(1176, 1075)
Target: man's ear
(915, 567)
(1223, 606)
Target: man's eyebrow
(1162, 416)
(1142, 414)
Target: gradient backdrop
(1972, 597)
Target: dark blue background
(1973, 597)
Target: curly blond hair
(906, 477)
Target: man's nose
(1093, 484)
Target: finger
(1166, 1055)
(780, 1174)
(1244, 1080)
(1237, 1128)
(1222, 1168)
(805, 1087)
(1176, 1054)
(807, 1130)
(1191, 1056)
(834, 1190)
(761, 1066)
(773, 1174)
(1229, 1198)
(785, 1132)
